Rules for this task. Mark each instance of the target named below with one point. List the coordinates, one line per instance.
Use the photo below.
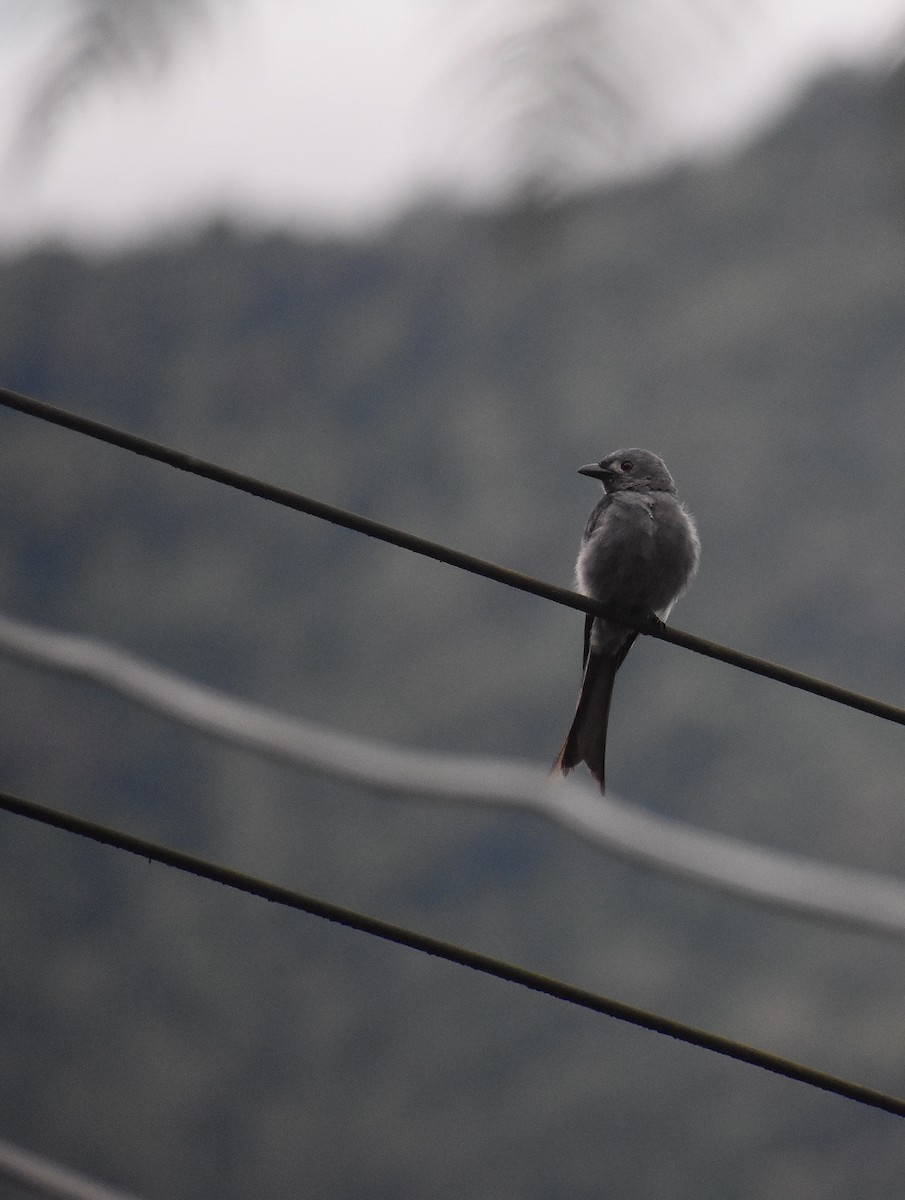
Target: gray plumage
(638, 554)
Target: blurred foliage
(555, 94)
(94, 41)
(746, 322)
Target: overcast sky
(334, 115)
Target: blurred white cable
(768, 877)
(39, 1175)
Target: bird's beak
(595, 470)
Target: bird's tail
(586, 740)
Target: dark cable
(455, 558)
(483, 963)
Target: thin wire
(50, 1179)
(456, 558)
(796, 885)
(460, 955)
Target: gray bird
(638, 554)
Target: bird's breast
(639, 555)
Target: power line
(456, 558)
(48, 1178)
(460, 955)
(796, 885)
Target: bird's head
(631, 470)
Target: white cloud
(333, 114)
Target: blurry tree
(95, 40)
(566, 91)
(560, 89)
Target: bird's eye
(626, 464)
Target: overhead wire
(800, 886)
(450, 952)
(446, 554)
(47, 1178)
(397, 934)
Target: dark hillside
(747, 321)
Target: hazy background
(424, 268)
